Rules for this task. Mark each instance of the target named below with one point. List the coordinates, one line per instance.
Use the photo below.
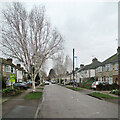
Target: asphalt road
(61, 102)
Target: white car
(46, 83)
(94, 84)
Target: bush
(3, 82)
(42, 84)
(86, 84)
(107, 86)
(10, 92)
(116, 92)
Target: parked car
(20, 85)
(46, 83)
(29, 83)
(53, 82)
(94, 84)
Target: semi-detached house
(7, 68)
(88, 72)
(107, 71)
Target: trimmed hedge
(86, 84)
(107, 87)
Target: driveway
(60, 102)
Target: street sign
(12, 77)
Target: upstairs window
(99, 69)
(8, 68)
(109, 67)
(3, 67)
(116, 66)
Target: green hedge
(10, 92)
(116, 92)
(107, 86)
(86, 84)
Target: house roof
(5, 62)
(113, 59)
(93, 65)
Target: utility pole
(118, 65)
(73, 69)
(118, 50)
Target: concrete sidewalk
(18, 107)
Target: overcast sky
(91, 28)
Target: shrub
(10, 92)
(116, 92)
(3, 82)
(107, 86)
(42, 84)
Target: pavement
(18, 107)
(61, 102)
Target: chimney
(9, 60)
(94, 59)
(81, 65)
(18, 65)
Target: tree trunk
(33, 84)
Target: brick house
(88, 72)
(108, 70)
(7, 68)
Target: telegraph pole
(73, 69)
(118, 50)
(118, 65)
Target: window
(13, 70)
(100, 79)
(116, 66)
(8, 68)
(3, 67)
(109, 67)
(99, 69)
(109, 79)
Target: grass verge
(100, 95)
(73, 88)
(40, 88)
(33, 95)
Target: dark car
(20, 85)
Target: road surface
(61, 102)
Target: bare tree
(62, 65)
(29, 37)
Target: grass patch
(33, 95)
(73, 88)
(100, 95)
(42, 84)
(40, 88)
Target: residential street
(60, 102)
